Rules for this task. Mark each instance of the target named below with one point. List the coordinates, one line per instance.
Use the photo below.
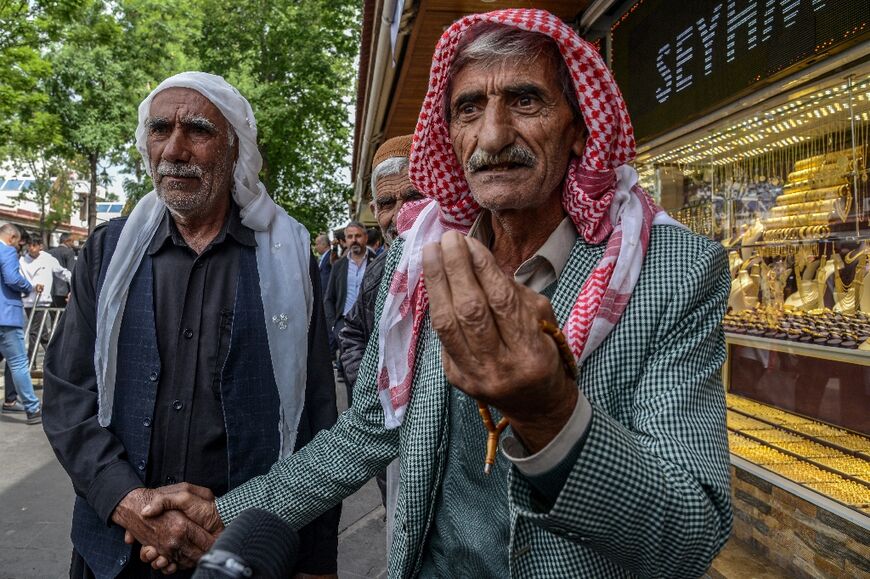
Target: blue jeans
(13, 349)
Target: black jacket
(359, 322)
(336, 290)
(90, 452)
(67, 258)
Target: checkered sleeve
(336, 463)
(652, 494)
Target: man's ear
(579, 143)
(372, 207)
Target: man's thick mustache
(167, 169)
(515, 155)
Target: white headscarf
(283, 257)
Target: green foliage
(294, 61)
(79, 68)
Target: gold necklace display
(806, 297)
(744, 288)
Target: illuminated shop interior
(784, 188)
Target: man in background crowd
(376, 241)
(324, 265)
(344, 284)
(66, 256)
(391, 188)
(339, 245)
(42, 270)
(12, 327)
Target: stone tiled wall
(800, 538)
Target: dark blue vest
(248, 393)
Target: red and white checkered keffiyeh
(600, 194)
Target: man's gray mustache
(167, 169)
(515, 154)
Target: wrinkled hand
(193, 502)
(174, 535)
(38, 288)
(492, 346)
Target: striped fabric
(649, 495)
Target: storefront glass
(785, 190)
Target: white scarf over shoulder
(283, 257)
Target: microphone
(257, 545)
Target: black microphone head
(263, 541)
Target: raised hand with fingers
(493, 348)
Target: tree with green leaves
(295, 63)
(91, 93)
(88, 63)
(31, 132)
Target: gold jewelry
(856, 253)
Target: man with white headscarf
(194, 345)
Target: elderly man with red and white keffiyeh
(538, 284)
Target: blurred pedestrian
(66, 255)
(339, 245)
(41, 269)
(322, 247)
(376, 240)
(12, 324)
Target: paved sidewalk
(36, 500)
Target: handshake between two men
(175, 524)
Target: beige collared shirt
(546, 265)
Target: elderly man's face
(513, 131)
(391, 192)
(188, 146)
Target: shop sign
(676, 61)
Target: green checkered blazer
(649, 494)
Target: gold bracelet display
(817, 161)
(806, 195)
(494, 430)
(823, 206)
(805, 232)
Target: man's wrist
(536, 431)
(130, 506)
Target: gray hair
(387, 167)
(9, 229)
(492, 44)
